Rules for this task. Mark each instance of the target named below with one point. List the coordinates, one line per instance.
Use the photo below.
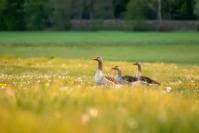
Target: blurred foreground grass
(59, 95)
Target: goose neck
(138, 71)
(119, 73)
(100, 65)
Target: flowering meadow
(43, 94)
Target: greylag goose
(123, 79)
(100, 78)
(144, 79)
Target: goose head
(138, 71)
(118, 70)
(98, 59)
(136, 64)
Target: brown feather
(111, 79)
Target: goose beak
(113, 68)
(94, 59)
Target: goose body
(142, 78)
(123, 79)
(148, 80)
(129, 78)
(99, 77)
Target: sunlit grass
(59, 95)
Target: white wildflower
(79, 79)
(168, 89)
(118, 86)
(85, 118)
(10, 92)
(93, 112)
(47, 84)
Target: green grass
(178, 47)
(149, 53)
(46, 82)
(98, 38)
(60, 95)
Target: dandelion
(10, 92)
(118, 86)
(85, 118)
(47, 84)
(2, 85)
(93, 112)
(168, 89)
(79, 79)
(90, 113)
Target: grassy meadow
(175, 47)
(47, 85)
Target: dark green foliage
(119, 8)
(171, 9)
(37, 14)
(137, 9)
(12, 15)
(61, 10)
(196, 8)
(57, 14)
(178, 9)
(103, 9)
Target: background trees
(36, 14)
(178, 9)
(44, 14)
(147, 9)
(12, 15)
(196, 8)
(61, 10)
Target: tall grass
(59, 95)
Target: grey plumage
(123, 79)
(144, 78)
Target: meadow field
(176, 47)
(47, 85)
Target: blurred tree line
(56, 14)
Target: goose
(100, 78)
(144, 79)
(123, 79)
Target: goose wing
(148, 80)
(129, 78)
(111, 79)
